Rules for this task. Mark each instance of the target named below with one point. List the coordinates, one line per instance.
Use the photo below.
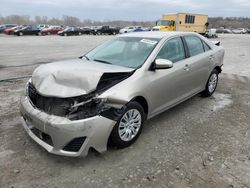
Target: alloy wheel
(212, 83)
(129, 125)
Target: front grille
(43, 136)
(75, 144)
(50, 105)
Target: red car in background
(51, 30)
(10, 31)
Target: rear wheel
(211, 84)
(65, 34)
(129, 126)
(20, 34)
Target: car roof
(156, 34)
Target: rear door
(199, 62)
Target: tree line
(68, 21)
(214, 22)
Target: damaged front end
(84, 106)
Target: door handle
(186, 67)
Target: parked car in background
(87, 30)
(105, 30)
(107, 94)
(51, 30)
(6, 26)
(129, 29)
(211, 33)
(223, 30)
(28, 30)
(70, 31)
(248, 30)
(140, 29)
(10, 31)
(43, 26)
(239, 31)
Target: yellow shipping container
(182, 22)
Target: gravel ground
(203, 142)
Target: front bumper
(62, 131)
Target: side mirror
(161, 64)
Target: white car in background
(239, 31)
(129, 29)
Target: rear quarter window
(194, 45)
(206, 47)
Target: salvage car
(70, 31)
(99, 30)
(239, 31)
(6, 26)
(129, 29)
(28, 30)
(106, 95)
(51, 30)
(10, 31)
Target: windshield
(123, 51)
(163, 23)
(68, 29)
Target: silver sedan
(106, 95)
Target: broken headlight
(86, 109)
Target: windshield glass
(124, 51)
(163, 23)
(68, 29)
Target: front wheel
(129, 126)
(211, 84)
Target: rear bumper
(61, 131)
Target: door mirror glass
(163, 64)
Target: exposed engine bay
(80, 107)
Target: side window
(173, 50)
(194, 45)
(206, 47)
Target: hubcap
(129, 125)
(212, 82)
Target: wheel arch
(143, 102)
(218, 68)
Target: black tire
(208, 92)
(115, 138)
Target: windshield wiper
(102, 61)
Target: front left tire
(129, 126)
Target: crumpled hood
(71, 78)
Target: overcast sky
(140, 10)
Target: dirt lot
(203, 142)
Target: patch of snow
(221, 101)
